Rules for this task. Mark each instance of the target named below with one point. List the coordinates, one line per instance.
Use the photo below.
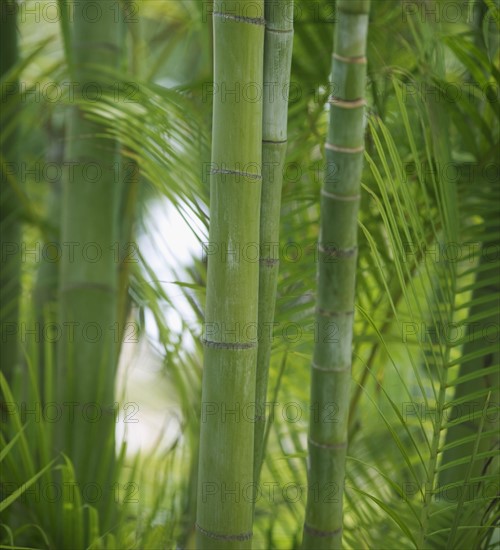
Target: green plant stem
(128, 255)
(129, 186)
(88, 277)
(278, 45)
(10, 225)
(331, 367)
(47, 277)
(224, 520)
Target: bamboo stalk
(278, 45)
(130, 187)
(47, 277)
(10, 228)
(88, 277)
(224, 515)
(331, 367)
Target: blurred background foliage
(431, 188)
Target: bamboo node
(275, 141)
(327, 313)
(228, 345)
(279, 31)
(221, 536)
(269, 262)
(345, 198)
(359, 59)
(350, 150)
(319, 533)
(346, 103)
(332, 369)
(241, 18)
(340, 253)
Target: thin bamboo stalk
(130, 189)
(331, 367)
(225, 490)
(278, 45)
(88, 276)
(10, 226)
(47, 278)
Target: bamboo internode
(88, 290)
(340, 196)
(227, 447)
(277, 64)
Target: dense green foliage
(422, 465)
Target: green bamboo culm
(337, 254)
(88, 271)
(10, 225)
(278, 44)
(129, 181)
(45, 288)
(224, 514)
